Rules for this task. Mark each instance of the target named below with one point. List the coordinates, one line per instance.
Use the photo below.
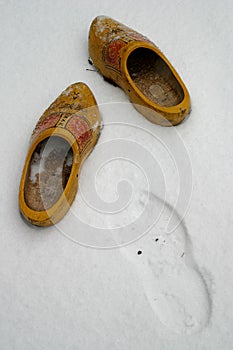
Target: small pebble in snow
(139, 252)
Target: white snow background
(57, 293)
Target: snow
(36, 167)
(95, 126)
(82, 284)
(68, 91)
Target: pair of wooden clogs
(68, 130)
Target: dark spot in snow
(182, 255)
(139, 252)
(156, 239)
(90, 61)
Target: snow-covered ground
(143, 260)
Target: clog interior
(154, 78)
(48, 173)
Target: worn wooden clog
(62, 138)
(133, 62)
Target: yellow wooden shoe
(133, 62)
(62, 138)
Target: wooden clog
(62, 138)
(133, 62)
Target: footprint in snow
(173, 284)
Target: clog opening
(153, 77)
(48, 173)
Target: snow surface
(122, 270)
